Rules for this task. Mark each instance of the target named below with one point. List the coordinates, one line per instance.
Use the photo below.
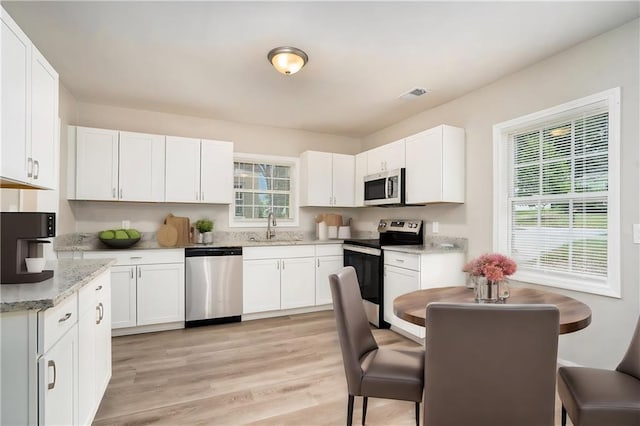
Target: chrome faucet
(271, 221)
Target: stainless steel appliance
(213, 285)
(366, 256)
(22, 234)
(385, 188)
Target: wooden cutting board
(182, 225)
(167, 236)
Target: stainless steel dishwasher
(213, 285)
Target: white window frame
(292, 162)
(502, 211)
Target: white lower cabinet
(399, 281)
(407, 272)
(56, 363)
(329, 259)
(160, 293)
(94, 354)
(297, 283)
(56, 374)
(147, 289)
(281, 277)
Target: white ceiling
(209, 59)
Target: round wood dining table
(574, 315)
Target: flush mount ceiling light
(287, 60)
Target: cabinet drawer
(139, 257)
(88, 295)
(56, 321)
(329, 250)
(277, 252)
(402, 260)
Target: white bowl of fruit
(119, 238)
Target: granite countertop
(434, 244)
(68, 277)
(90, 242)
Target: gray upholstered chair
(490, 364)
(593, 396)
(371, 371)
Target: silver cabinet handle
(65, 317)
(29, 167)
(400, 260)
(329, 200)
(139, 272)
(113, 193)
(36, 169)
(278, 264)
(283, 265)
(100, 309)
(135, 257)
(318, 263)
(52, 363)
(120, 192)
(131, 270)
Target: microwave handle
(389, 187)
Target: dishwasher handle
(212, 251)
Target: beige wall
(604, 62)
(92, 216)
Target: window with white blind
(556, 196)
(263, 185)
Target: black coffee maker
(21, 234)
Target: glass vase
(486, 290)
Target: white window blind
(556, 197)
(263, 184)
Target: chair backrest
(354, 332)
(490, 364)
(630, 364)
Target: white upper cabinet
(435, 166)
(182, 170)
(96, 164)
(390, 156)
(118, 166)
(44, 122)
(216, 172)
(198, 171)
(361, 172)
(29, 111)
(141, 167)
(327, 179)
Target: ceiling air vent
(413, 93)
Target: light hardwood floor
(278, 371)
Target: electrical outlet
(126, 224)
(636, 233)
(435, 227)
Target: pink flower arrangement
(494, 266)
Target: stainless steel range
(366, 256)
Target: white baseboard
(147, 328)
(285, 312)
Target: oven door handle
(360, 249)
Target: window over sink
(264, 184)
(556, 194)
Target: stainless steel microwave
(384, 188)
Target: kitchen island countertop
(68, 277)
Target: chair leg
(417, 413)
(563, 420)
(364, 408)
(350, 410)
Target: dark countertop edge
(242, 244)
(45, 303)
(429, 249)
